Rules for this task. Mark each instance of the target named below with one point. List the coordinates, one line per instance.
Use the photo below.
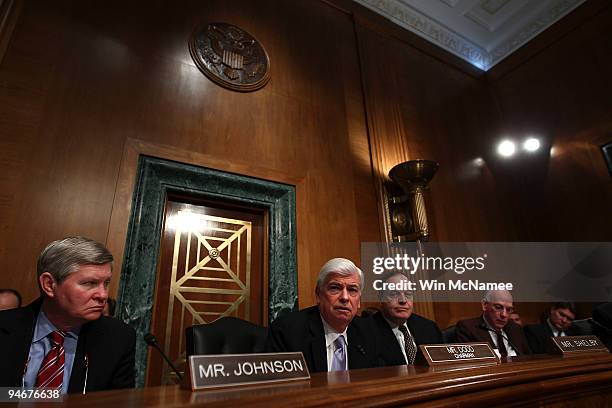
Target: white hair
(493, 295)
(341, 266)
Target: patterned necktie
(51, 372)
(339, 360)
(409, 345)
(500, 344)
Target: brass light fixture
(407, 213)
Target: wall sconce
(406, 205)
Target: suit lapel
(391, 348)
(87, 345)
(318, 349)
(19, 339)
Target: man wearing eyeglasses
(329, 334)
(400, 330)
(494, 326)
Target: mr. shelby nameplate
(460, 353)
(575, 345)
(225, 370)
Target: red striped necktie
(51, 372)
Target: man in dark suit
(60, 341)
(494, 326)
(401, 331)
(602, 319)
(557, 324)
(329, 335)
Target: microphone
(361, 350)
(485, 327)
(151, 340)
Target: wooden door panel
(211, 265)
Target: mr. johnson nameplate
(224, 370)
(460, 353)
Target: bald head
(497, 306)
(498, 295)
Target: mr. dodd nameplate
(571, 345)
(460, 353)
(224, 370)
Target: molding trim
(442, 36)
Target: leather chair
(583, 326)
(227, 335)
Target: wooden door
(211, 264)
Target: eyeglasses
(396, 294)
(501, 308)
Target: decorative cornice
(425, 27)
(444, 37)
(538, 24)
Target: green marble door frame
(155, 179)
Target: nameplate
(226, 370)
(459, 353)
(571, 345)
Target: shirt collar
(44, 327)
(331, 335)
(486, 322)
(555, 331)
(394, 325)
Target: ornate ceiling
(482, 32)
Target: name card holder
(226, 370)
(577, 345)
(459, 353)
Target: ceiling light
(531, 145)
(506, 148)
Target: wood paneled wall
(350, 96)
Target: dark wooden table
(547, 381)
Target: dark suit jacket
(602, 315)
(538, 336)
(105, 345)
(471, 330)
(423, 330)
(303, 331)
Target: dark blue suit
(303, 331)
(105, 350)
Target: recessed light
(531, 145)
(506, 148)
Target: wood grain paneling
(115, 72)
(86, 87)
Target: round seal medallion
(230, 56)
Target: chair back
(584, 326)
(227, 335)
(449, 335)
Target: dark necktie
(409, 345)
(500, 344)
(51, 372)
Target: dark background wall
(350, 96)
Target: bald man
(494, 326)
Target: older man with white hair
(329, 334)
(494, 326)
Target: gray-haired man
(60, 340)
(329, 335)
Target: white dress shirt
(330, 336)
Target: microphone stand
(152, 341)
